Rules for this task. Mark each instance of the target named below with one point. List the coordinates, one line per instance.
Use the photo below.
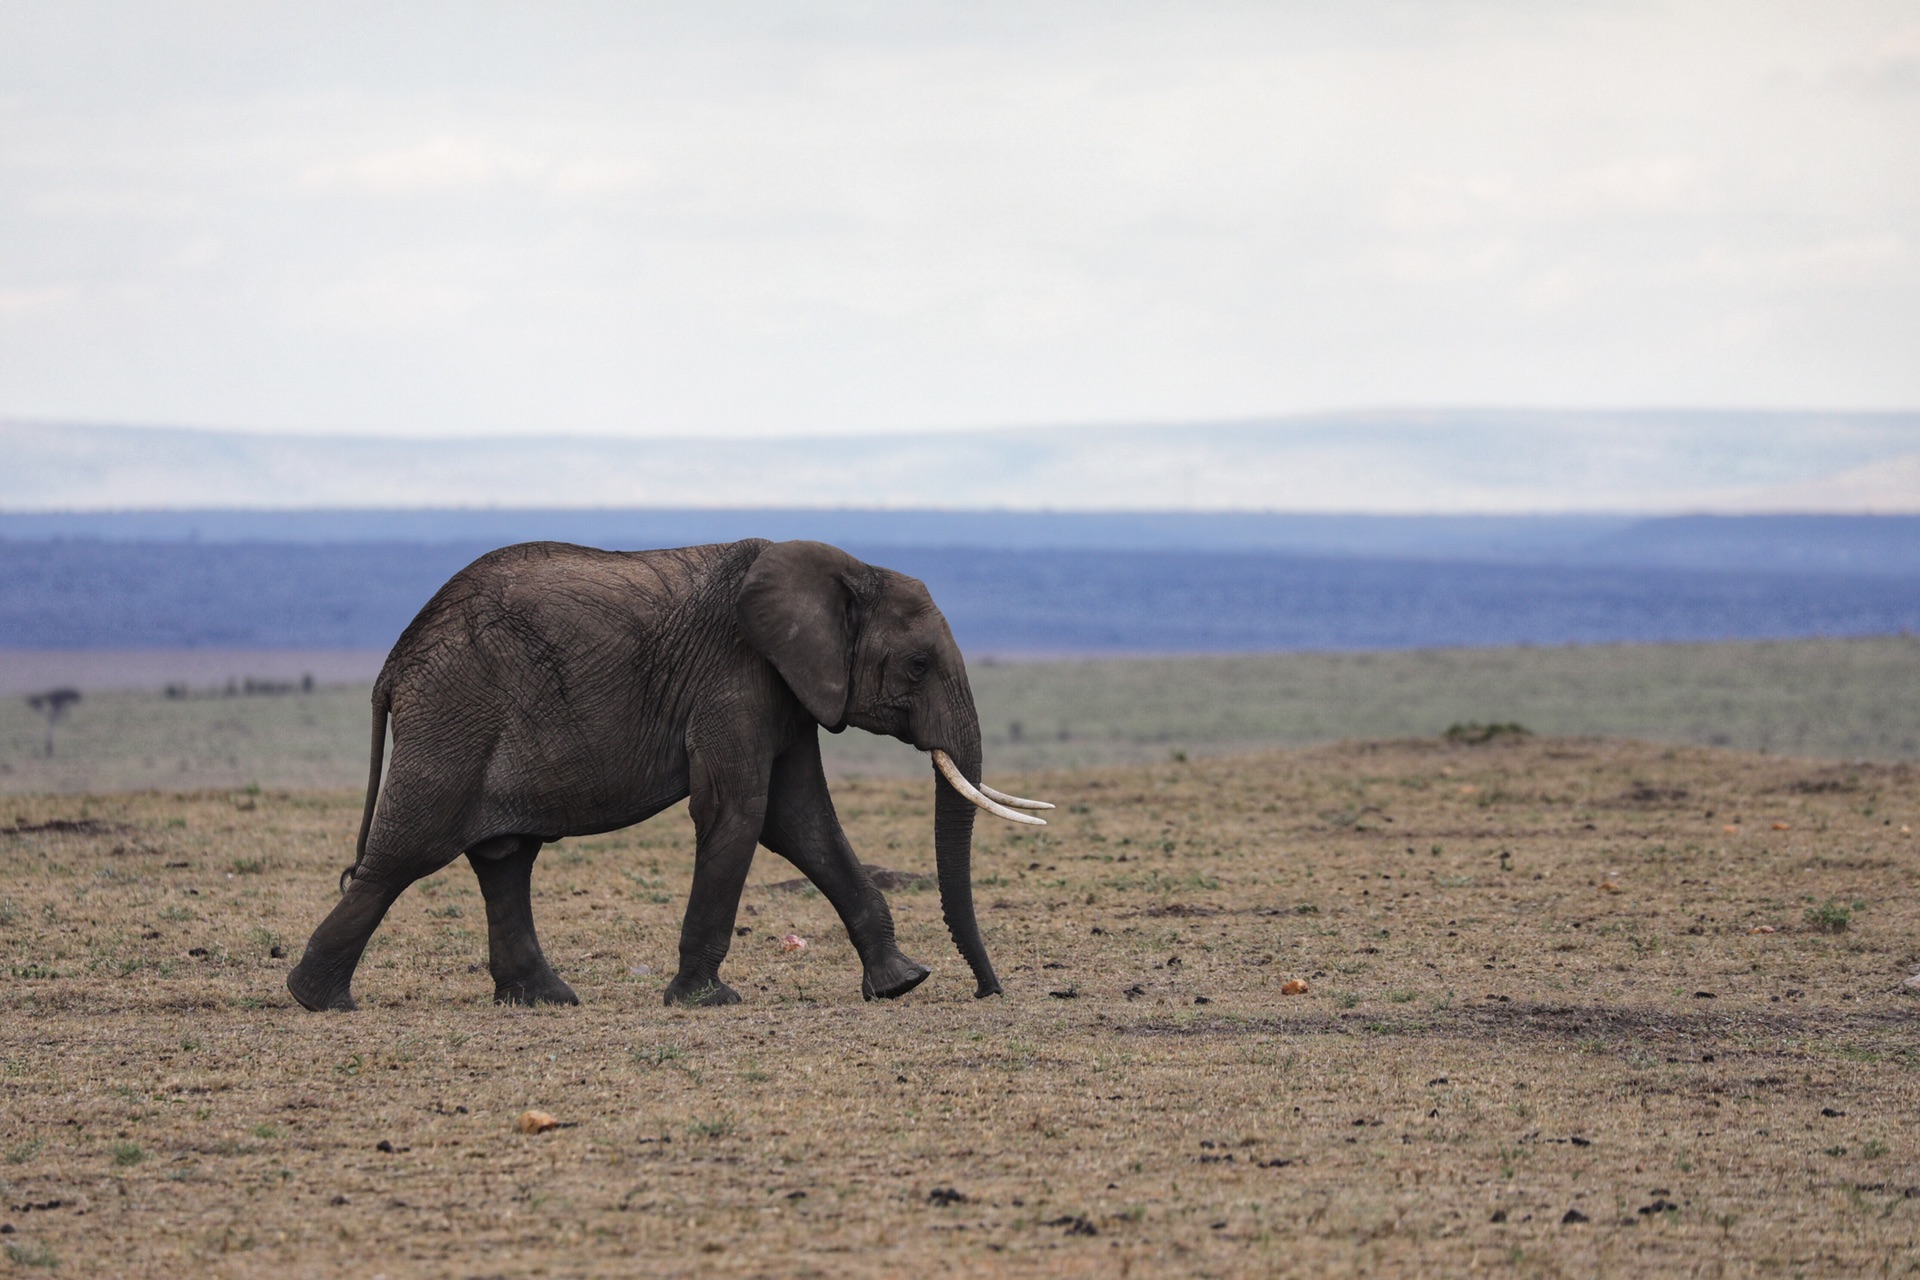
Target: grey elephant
(550, 690)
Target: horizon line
(1277, 418)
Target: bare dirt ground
(1546, 1034)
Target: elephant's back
(548, 611)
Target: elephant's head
(865, 646)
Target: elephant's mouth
(998, 803)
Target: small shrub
(1831, 916)
(1474, 734)
(718, 1127)
(126, 1154)
(659, 1055)
(31, 1255)
(249, 866)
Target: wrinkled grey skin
(551, 690)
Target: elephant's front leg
(728, 810)
(521, 974)
(803, 828)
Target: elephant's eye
(918, 666)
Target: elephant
(551, 690)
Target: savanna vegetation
(1572, 1006)
(1843, 699)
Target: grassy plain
(1846, 699)
(1542, 1036)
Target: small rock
(277, 952)
(199, 953)
(640, 970)
(1065, 993)
(1732, 829)
(1294, 987)
(384, 1145)
(946, 1196)
(793, 942)
(1704, 995)
(1608, 886)
(1499, 1215)
(536, 1122)
(1831, 1114)
(1572, 1216)
(1763, 928)
(1203, 999)
(1782, 826)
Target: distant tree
(53, 704)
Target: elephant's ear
(796, 610)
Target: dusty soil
(1542, 1036)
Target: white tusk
(1013, 802)
(951, 772)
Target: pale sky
(800, 218)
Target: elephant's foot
(319, 991)
(541, 987)
(892, 978)
(700, 992)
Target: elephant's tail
(382, 702)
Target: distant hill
(1798, 543)
(1458, 462)
(258, 595)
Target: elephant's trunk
(953, 856)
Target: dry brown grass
(1491, 1039)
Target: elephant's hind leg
(323, 980)
(521, 974)
(397, 855)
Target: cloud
(19, 302)
(816, 217)
(1875, 260)
(1891, 66)
(448, 164)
